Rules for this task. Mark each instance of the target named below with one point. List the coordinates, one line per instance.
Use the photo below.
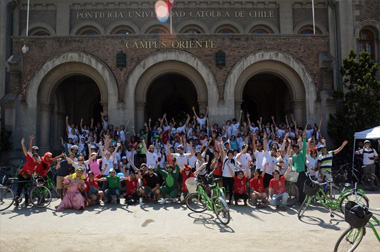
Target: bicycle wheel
(195, 202)
(53, 189)
(350, 239)
(351, 197)
(293, 194)
(7, 197)
(305, 204)
(40, 196)
(370, 182)
(221, 210)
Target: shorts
(369, 169)
(60, 182)
(146, 189)
(93, 190)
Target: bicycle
(358, 216)
(7, 195)
(39, 195)
(314, 189)
(369, 180)
(200, 201)
(50, 183)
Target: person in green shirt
(298, 164)
(113, 182)
(170, 176)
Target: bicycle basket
(292, 177)
(309, 188)
(356, 215)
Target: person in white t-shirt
(245, 159)
(181, 157)
(151, 156)
(201, 119)
(369, 157)
(234, 128)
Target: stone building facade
(259, 56)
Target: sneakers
(141, 202)
(163, 201)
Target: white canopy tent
(373, 133)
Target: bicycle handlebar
(360, 203)
(316, 182)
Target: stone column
(44, 132)
(237, 108)
(286, 18)
(299, 111)
(63, 19)
(202, 107)
(140, 112)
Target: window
(307, 31)
(259, 31)
(157, 31)
(123, 32)
(366, 42)
(226, 31)
(41, 33)
(89, 32)
(192, 31)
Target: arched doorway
(78, 97)
(265, 95)
(172, 94)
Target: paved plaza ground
(172, 227)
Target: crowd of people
(253, 160)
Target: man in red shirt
(131, 193)
(278, 190)
(92, 188)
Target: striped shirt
(325, 161)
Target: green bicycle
(50, 183)
(358, 216)
(200, 201)
(314, 190)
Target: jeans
(276, 198)
(110, 192)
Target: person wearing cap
(63, 169)
(369, 157)
(73, 198)
(151, 184)
(31, 165)
(186, 173)
(94, 162)
(180, 156)
(113, 183)
(170, 176)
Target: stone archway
(42, 86)
(290, 70)
(170, 62)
